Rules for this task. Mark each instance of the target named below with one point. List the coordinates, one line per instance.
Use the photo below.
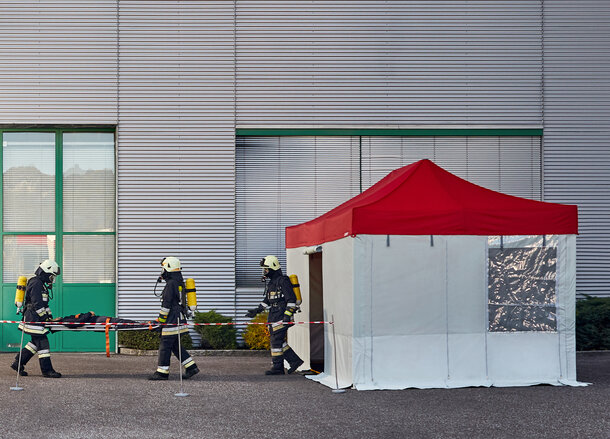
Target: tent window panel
(512, 318)
(522, 288)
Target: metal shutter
(283, 181)
(388, 62)
(577, 129)
(176, 150)
(58, 62)
(506, 164)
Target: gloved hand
(47, 317)
(287, 318)
(252, 312)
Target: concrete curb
(201, 352)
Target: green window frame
(68, 298)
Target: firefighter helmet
(50, 267)
(271, 262)
(170, 264)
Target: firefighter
(173, 311)
(36, 309)
(280, 300)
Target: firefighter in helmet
(36, 309)
(172, 312)
(280, 300)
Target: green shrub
(593, 323)
(148, 340)
(216, 337)
(257, 336)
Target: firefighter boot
(190, 371)
(158, 376)
(293, 359)
(22, 372)
(47, 368)
(278, 366)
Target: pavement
(231, 398)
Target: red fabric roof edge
(424, 199)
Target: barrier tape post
(19, 363)
(107, 331)
(181, 393)
(336, 389)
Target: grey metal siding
(58, 62)
(176, 150)
(577, 128)
(388, 62)
(507, 164)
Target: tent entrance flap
(316, 312)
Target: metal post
(19, 363)
(336, 389)
(181, 393)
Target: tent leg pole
(336, 389)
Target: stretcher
(100, 324)
(89, 321)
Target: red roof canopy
(424, 199)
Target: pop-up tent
(432, 281)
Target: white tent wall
(298, 337)
(421, 315)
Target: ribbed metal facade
(176, 150)
(58, 62)
(177, 77)
(577, 128)
(388, 62)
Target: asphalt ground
(231, 398)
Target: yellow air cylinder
(20, 293)
(191, 294)
(294, 280)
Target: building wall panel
(577, 128)
(58, 62)
(388, 63)
(176, 150)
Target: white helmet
(170, 264)
(271, 262)
(51, 267)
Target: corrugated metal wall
(577, 128)
(176, 150)
(173, 67)
(388, 62)
(58, 62)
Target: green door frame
(67, 296)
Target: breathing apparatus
(294, 280)
(20, 293)
(188, 292)
(47, 271)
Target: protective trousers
(169, 344)
(40, 345)
(278, 335)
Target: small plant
(593, 323)
(148, 340)
(257, 336)
(216, 337)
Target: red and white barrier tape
(153, 323)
